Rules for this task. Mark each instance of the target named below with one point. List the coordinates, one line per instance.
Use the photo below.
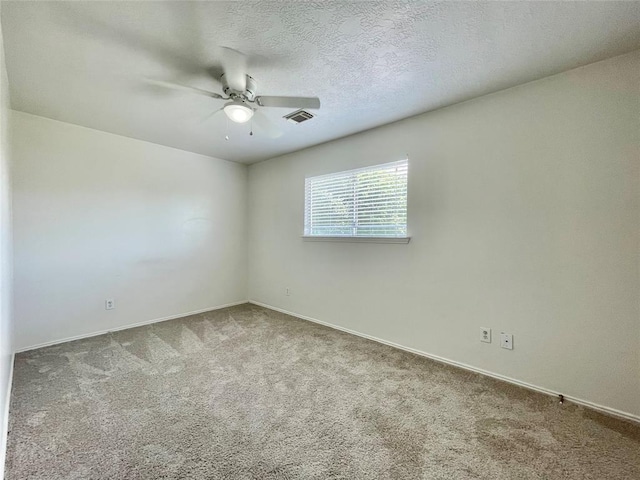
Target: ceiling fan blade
(183, 88)
(234, 65)
(289, 102)
(266, 125)
(212, 114)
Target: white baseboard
(601, 408)
(5, 419)
(125, 327)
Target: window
(367, 202)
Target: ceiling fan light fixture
(238, 112)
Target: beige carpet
(248, 393)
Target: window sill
(315, 238)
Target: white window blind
(367, 202)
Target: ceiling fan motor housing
(249, 93)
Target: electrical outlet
(506, 341)
(109, 304)
(287, 292)
(485, 335)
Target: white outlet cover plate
(109, 304)
(506, 341)
(485, 335)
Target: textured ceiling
(370, 63)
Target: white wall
(6, 347)
(97, 216)
(524, 209)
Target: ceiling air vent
(298, 116)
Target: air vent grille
(298, 116)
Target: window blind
(366, 202)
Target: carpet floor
(249, 393)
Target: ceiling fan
(239, 90)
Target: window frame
(356, 238)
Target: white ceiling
(370, 63)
